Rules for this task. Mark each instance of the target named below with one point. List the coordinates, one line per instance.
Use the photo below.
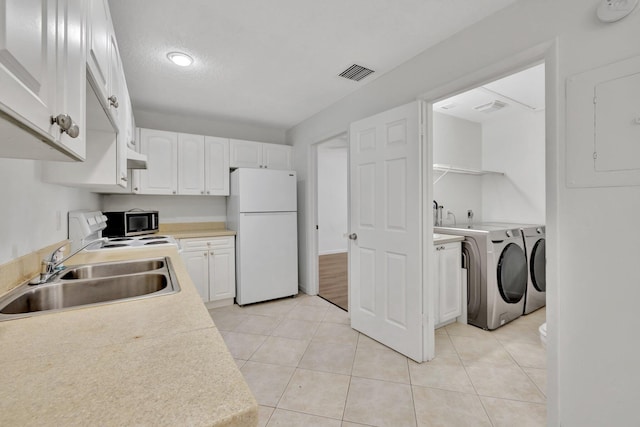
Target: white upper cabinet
(245, 154)
(161, 175)
(216, 157)
(99, 41)
(103, 60)
(277, 156)
(71, 72)
(191, 161)
(253, 154)
(42, 55)
(201, 164)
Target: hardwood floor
(334, 279)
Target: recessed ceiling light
(179, 58)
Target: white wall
(206, 126)
(332, 200)
(31, 208)
(514, 145)
(457, 142)
(592, 277)
(172, 208)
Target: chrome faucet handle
(49, 264)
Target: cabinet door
(450, 281)
(116, 82)
(216, 168)
(161, 175)
(71, 72)
(27, 61)
(197, 264)
(245, 154)
(99, 41)
(222, 280)
(190, 164)
(277, 156)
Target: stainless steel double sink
(91, 285)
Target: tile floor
(307, 367)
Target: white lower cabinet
(211, 264)
(449, 279)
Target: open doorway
(332, 216)
(489, 183)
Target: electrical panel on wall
(603, 126)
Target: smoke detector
(356, 72)
(490, 107)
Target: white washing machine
(534, 243)
(496, 263)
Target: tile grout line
(464, 366)
(413, 398)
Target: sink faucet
(49, 264)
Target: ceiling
(522, 91)
(273, 63)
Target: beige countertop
(441, 239)
(192, 230)
(155, 361)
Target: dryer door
(537, 266)
(512, 273)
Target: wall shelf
(445, 169)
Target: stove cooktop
(135, 242)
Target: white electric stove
(135, 242)
(85, 226)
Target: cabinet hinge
(595, 155)
(595, 100)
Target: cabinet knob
(113, 100)
(174, 192)
(211, 253)
(208, 192)
(135, 188)
(206, 253)
(66, 124)
(353, 236)
(202, 192)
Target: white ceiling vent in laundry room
(356, 72)
(490, 107)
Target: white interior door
(385, 260)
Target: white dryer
(534, 242)
(496, 265)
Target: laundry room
(489, 152)
(489, 188)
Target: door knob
(353, 236)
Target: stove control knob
(509, 233)
(539, 230)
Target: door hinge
(316, 227)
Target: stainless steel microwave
(130, 223)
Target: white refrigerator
(262, 209)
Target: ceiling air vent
(448, 106)
(356, 72)
(490, 107)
